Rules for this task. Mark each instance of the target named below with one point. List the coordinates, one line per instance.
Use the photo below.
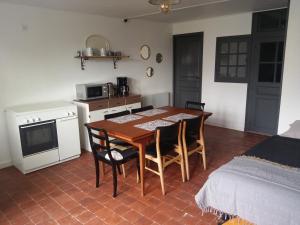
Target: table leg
(142, 166)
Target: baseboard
(232, 127)
(5, 164)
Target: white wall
(227, 101)
(37, 48)
(290, 107)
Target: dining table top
(128, 132)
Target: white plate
(97, 41)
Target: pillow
(294, 131)
(115, 155)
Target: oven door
(38, 137)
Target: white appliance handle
(66, 119)
(35, 125)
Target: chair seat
(126, 154)
(165, 148)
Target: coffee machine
(122, 86)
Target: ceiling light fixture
(165, 5)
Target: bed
(261, 186)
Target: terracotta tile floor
(66, 193)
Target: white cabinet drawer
(40, 160)
(98, 115)
(133, 106)
(117, 109)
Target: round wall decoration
(149, 71)
(159, 58)
(145, 52)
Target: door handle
(35, 125)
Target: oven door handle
(38, 124)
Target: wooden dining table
(140, 137)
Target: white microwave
(91, 91)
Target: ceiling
(187, 10)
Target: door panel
(265, 85)
(266, 106)
(188, 50)
(68, 141)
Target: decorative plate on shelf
(98, 42)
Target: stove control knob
(74, 113)
(27, 121)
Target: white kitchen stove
(43, 134)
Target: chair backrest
(145, 108)
(192, 129)
(195, 105)
(167, 137)
(114, 115)
(99, 141)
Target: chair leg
(115, 180)
(123, 170)
(161, 175)
(186, 158)
(102, 169)
(97, 173)
(182, 167)
(119, 169)
(204, 158)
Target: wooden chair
(100, 145)
(193, 140)
(114, 115)
(145, 108)
(117, 143)
(195, 105)
(168, 140)
(237, 221)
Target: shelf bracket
(115, 60)
(82, 61)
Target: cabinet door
(68, 137)
(98, 115)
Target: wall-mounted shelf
(115, 59)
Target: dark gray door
(265, 85)
(188, 51)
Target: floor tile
(66, 193)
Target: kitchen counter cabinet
(94, 110)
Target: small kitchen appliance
(122, 86)
(111, 89)
(91, 91)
